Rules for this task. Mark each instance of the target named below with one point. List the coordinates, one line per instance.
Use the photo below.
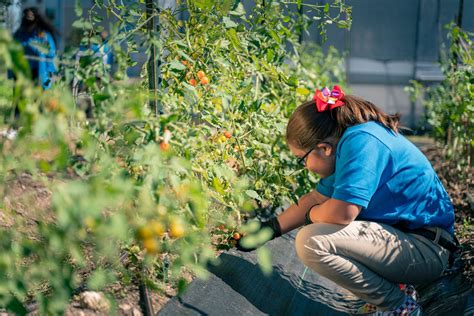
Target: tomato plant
(124, 181)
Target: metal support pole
(153, 65)
(458, 24)
(415, 58)
(300, 35)
(460, 13)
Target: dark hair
(307, 127)
(40, 23)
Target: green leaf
(176, 65)
(264, 258)
(232, 35)
(203, 4)
(343, 24)
(264, 235)
(82, 24)
(299, 2)
(43, 48)
(253, 194)
(118, 227)
(274, 35)
(249, 241)
(251, 227)
(44, 166)
(78, 8)
(182, 286)
(16, 306)
(97, 280)
(184, 55)
(270, 55)
(98, 97)
(292, 81)
(302, 91)
(218, 186)
(239, 10)
(20, 64)
(228, 23)
(326, 8)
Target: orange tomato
(192, 82)
(52, 104)
(204, 80)
(164, 146)
(201, 74)
(236, 236)
(227, 134)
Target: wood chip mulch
(458, 182)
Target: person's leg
(370, 259)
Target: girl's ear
(326, 149)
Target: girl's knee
(311, 247)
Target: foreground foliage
(131, 191)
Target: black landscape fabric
(237, 286)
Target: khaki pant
(371, 259)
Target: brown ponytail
(307, 127)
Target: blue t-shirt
(44, 67)
(389, 178)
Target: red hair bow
(328, 100)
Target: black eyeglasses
(302, 160)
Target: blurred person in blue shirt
(38, 37)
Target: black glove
(266, 231)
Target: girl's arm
(293, 216)
(335, 212)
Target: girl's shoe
(408, 308)
(409, 290)
(370, 309)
